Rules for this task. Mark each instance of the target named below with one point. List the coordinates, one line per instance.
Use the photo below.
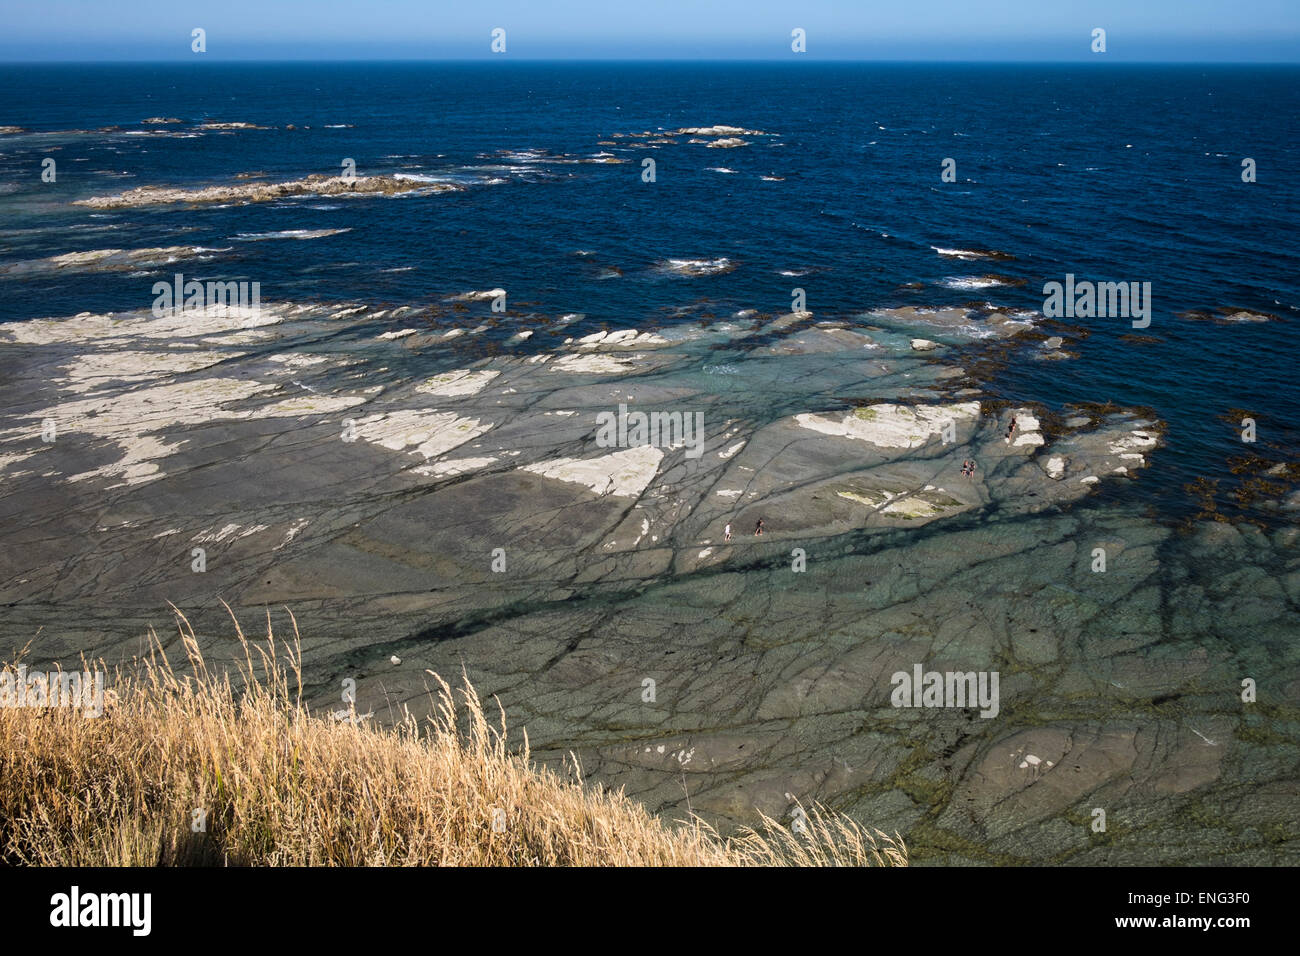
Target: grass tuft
(281, 786)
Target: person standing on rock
(758, 528)
(726, 532)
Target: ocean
(1124, 173)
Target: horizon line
(488, 58)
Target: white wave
(969, 253)
(973, 282)
(697, 267)
(526, 155)
(472, 175)
(424, 178)
(289, 234)
(486, 295)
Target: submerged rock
(1228, 315)
(109, 260)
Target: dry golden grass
(282, 786)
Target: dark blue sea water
(1123, 173)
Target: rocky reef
(246, 192)
(421, 489)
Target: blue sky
(1048, 30)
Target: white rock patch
(624, 473)
(892, 426)
(592, 364)
(419, 432)
(457, 466)
(460, 382)
(292, 533)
